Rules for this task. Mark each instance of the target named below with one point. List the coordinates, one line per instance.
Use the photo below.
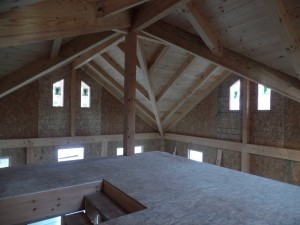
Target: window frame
(231, 108)
(259, 101)
(62, 93)
(196, 151)
(82, 97)
(67, 148)
(9, 161)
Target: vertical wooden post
(219, 157)
(73, 100)
(104, 149)
(29, 155)
(245, 158)
(129, 93)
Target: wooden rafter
(88, 56)
(190, 92)
(175, 77)
(200, 97)
(55, 48)
(157, 57)
(119, 70)
(203, 28)
(283, 25)
(143, 64)
(78, 20)
(237, 63)
(7, 5)
(112, 86)
(121, 46)
(44, 65)
(153, 11)
(111, 7)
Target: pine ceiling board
(13, 58)
(150, 49)
(109, 71)
(119, 56)
(178, 19)
(231, 13)
(167, 67)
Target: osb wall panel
(230, 159)
(201, 121)
(93, 150)
(43, 155)
(277, 169)
(148, 145)
(17, 155)
(112, 116)
(292, 125)
(19, 112)
(88, 120)
(267, 127)
(54, 121)
(229, 123)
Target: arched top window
(58, 94)
(264, 98)
(85, 95)
(234, 97)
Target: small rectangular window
(264, 98)
(195, 155)
(58, 94)
(4, 162)
(68, 154)
(234, 99)
(137, 149)
(85, 95)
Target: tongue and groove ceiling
(185, 48)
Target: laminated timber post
(73, 100)
(245, 157)
(129, 93)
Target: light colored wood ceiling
(179, 74)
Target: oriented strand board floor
(175, 190)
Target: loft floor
(174, 190)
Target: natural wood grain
(203, 28)
(144, 68)
(245, 157)
(73, 100)
(44, 65)
(283, 25)
(90, 55)
(153, 11)
(175, 77)
(117, 68)
(7, 5)
(129, 93)
(111, 7)
(115, 89)
(232, 61)
(190, 92)
(55, 48)
(49, 20)
(200, 97)
(157, 57)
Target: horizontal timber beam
(54, 141)
(237, 63)
(281, 153)
(45, 204)
(44, 65)
(153, 11)
(50, 19)
(111, 7)
(7, 5)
